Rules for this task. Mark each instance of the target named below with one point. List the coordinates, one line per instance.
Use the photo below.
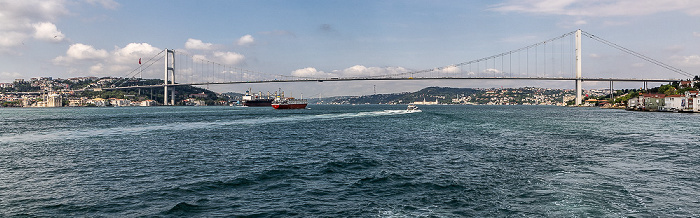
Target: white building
(120, 102)
(78, 102)
(99, 102)
(635, 103)
(54, 100)
(426, 102)
(148, 103)
(693, 101)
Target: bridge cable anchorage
(637, 54)
(135, 71)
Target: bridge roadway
(397, 79)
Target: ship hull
(288, 106)
(258, 103)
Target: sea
(348, 161)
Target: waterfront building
(77, 102)
(590, 103)
(635, 103)
(693, 101)
(119, 102)
(54, 100)
(675, 103)
(653, 102)
(99, 102)
(194, 102)
(148, 103)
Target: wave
(180, 126)
(183, 209)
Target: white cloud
(132, 52)
(97, 69)
(696, 34)
(492, 72)
(311, 72)
(354, 71)
(84, 59)
(197, 44)
(246, 40)
(196, 58)
(227, 58)
(80, 51)
(231, 58)
(599, 8)
(18, 20)
(362, 71)
(47, 31)
(450, 69)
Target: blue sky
(65, 39)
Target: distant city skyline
(64, 39)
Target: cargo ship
(256, 100)
(288, 103)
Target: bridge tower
(579, 79)
(169, 67)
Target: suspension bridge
(557, 59)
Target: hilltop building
(426, 102)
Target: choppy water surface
(357, 161)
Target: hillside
(446, 95)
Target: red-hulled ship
(288, 103)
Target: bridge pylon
(579, 79)
(169, 67)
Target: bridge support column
(578, 92)
(612, 93)
(169, 67)
(579, 80)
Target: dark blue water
(349, 161)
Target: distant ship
(256, 100)
(288, 103)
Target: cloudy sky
(65, 39)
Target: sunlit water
(356, 161)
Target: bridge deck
(398, 79)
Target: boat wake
(140, 129)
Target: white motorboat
(412, 108)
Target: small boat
(412, 108)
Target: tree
(671, 91)
(666, 89)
